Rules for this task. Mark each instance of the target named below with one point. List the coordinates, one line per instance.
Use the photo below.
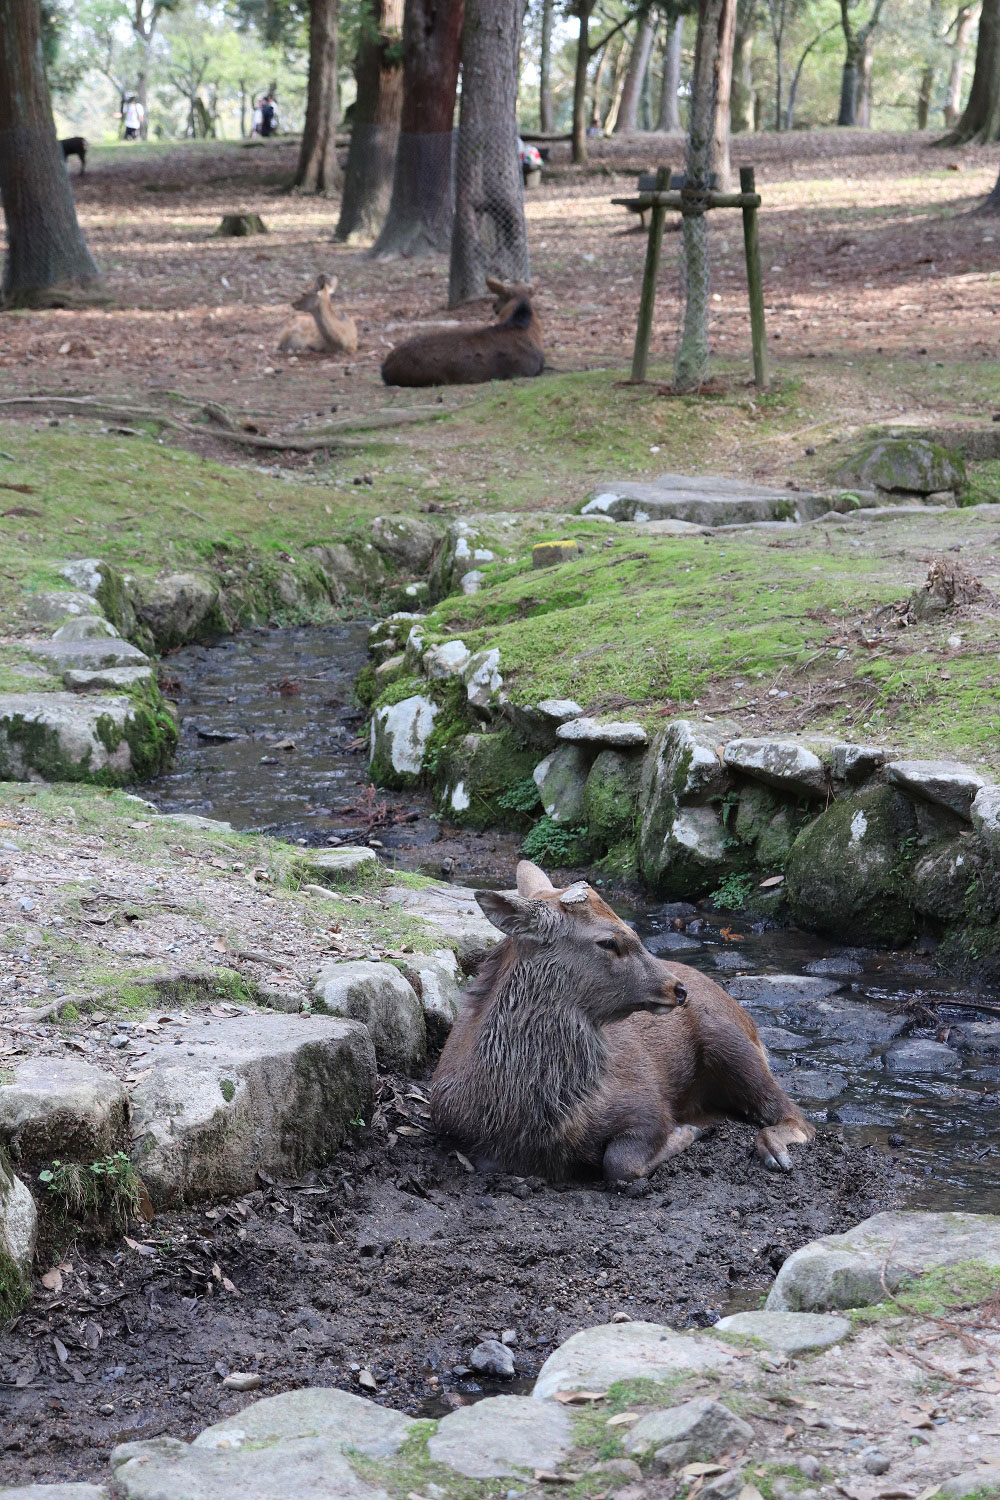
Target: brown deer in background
(502, 350)
(577, 1047)
(318, 329)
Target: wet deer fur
(577, 1047)
(317, 329)
(502, 350)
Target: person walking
(133, 115)
(268, 116)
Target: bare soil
(870, 248)
(386, 1269)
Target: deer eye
(610, 945)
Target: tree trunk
(980, 120)
(691, 365)
(864, 117)
(964, 23)
(545, 69)
(741, 103)
(720, 164)
(635, 76)
(423, 194)
(584, 9)
(615, 91)
(489, 237)
(848, 113)
(371, 157)
(779, 80)
(925, 89)
(317, 171)
(48, 263)
(670, 115)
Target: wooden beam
(644, 327)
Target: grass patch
(103, 1196)
(938, 1293)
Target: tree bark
(546, 118)
(714, 35)
(635, 76)
(864, 117)
(741, 102)
(489, 237)
(964, 22)
(48, 263)
(317, 171)
(371, 157)
(670, 115)
(617, 84)
(980, 120)
(420, 211)
(583, 10)
(855, 81)
(720, 163)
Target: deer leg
(739, 1082)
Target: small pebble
(810, 1466)
(509, 1337)
(241, 1380)
(874, 1462)
(492, 1358)
(621, 1317)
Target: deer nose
(680, 994)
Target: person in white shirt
(133, 115)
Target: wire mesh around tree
(420, 213)
(489, 237)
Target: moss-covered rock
(476, 771)
(409, 542)
(561, 779)
(352, 570)
(181, 607)
(64, 737)
(18, 1231)
(684, 849)
(848, 872)
(767, 824)
(611, 798)
(913, 466)
(400, 733)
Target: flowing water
(271, 740)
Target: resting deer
(577, 1047)
(317, 329)
(509, 347)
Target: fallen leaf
(464, 1161)
(137, 1245)
(623, 1419)
(221, 944)
(731, 936)
(579, 1398)
(918, 1419)
(61, 1350)
(52, 1280)
(771, 881)
(750, 1492)
(695, 1471)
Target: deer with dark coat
(502, 350)
(577, 1047)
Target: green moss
(412, 1471)
(228, 1089)
(14, 1288)
(552, 843)
(402, 688)
(484, 767)
(611, 798)
(764, 1476)
(138, 991)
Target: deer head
(325, 285)
(585, 954)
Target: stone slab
(620, 735)
(596, 1358)
(699, 1429)
(847, 1270)
(502, 1435)
(703, 500)
(784, 764)
(55, 1492)
(108, 678)
(947, 782)
(380, 998)
(452, 909)
(225, 1098)
(786, 1332)
(88, 655)
(338, 1417)
(63, 1107)
(333, 867)
(63, 736)
(775, 990)
(300, 1469)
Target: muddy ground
(388, 1267)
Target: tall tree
(375, 128)
(489, 235)
(797, 75)
(48, 263)
(635, 75)
(741, 102)
(670, 116)
(583, 10)
(420, 210)
(144, 17)
(546, 116)
(779, 14)
(710, 63)
(980, 120)
(317, 171)
(963, 23)
(857, 59)
(723, 84)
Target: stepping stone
(338, 1417)
(596, 1358)
(502, 1435)
(62, 1106)
(337, 867)
(775, 990)
(378, 996)
(947, 782)
(63, 737)
(112, 678)
(306, 1468)
(705, 501)
(88, 655)
(921, 1055)
(59, 604)
(454, 910)
(699, 1429)
(786, 1332)
(591, 732)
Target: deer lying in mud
(577, 1047)
(509, 347)
(318, 329)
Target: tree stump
(238, 226)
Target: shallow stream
(270, 740)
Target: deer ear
(517, 916)
(331, 283)
(496, 286)
(531, 881)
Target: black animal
(75, 145)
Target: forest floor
(881, 287)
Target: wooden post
(755, 282)
(644, 327)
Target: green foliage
(104, 1194)
(522, 797)
(552, 843)
(734, 892)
